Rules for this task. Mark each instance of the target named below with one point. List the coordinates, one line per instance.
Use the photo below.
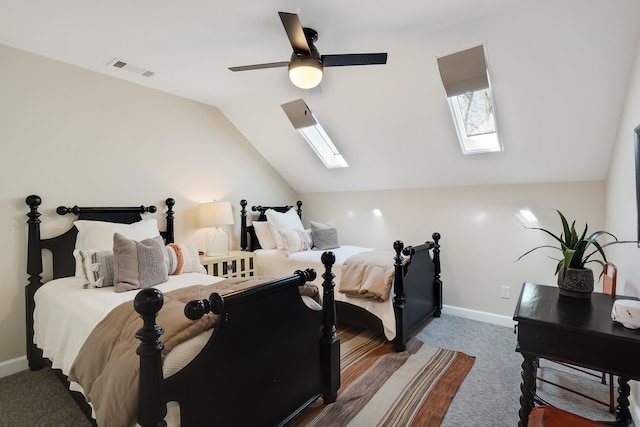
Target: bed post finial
(329, 342)
(34, 270)
(151, 406)
(299, 209)
(243, 225)
(169, 236)
(399, 343)
(34, 257)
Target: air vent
(118, 63)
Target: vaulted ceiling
(559, 70)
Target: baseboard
(483, 316)
(634, 408)
(13, 366)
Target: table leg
(527, 388)
(623, 416)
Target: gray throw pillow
(138, 264)
(325, 236)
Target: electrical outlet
(504, 292)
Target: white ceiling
(559, 69)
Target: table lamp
(214, 214)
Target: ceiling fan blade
(353, 59)
(260, 66)
(295, 33)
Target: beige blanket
(107, 365)
(368, 275)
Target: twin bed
(266, 338)
(415, 297)
(263, 341)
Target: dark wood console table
(576, 331)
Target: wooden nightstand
(235, 264)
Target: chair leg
(610, 403)
(611, 395)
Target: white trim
(483, 316)
(13, 366)
(634, 407)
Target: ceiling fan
(306, 63)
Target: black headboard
(248, 239)
(62, 246)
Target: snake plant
(577, 250)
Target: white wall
(621, 210)
(481, 237)
(73, 136)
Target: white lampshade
(305, 72)
(214, 214)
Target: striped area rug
(380, 387)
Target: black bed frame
(417, 285)
(267, 349)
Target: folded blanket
(368, 275)
(107, 365)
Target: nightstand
(235, 264)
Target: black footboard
(417, 288)
(269, 353)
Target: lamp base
(217, 243)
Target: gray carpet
(489, 396)
(37, 399)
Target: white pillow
(283, 221)
(296, 240)
(99, 234)
(264, 234)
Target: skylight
(318, 139)
(466, 81)
(306, 123)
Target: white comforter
(66, 313)
(274, 262)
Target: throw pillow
(325, 236)
(97, 267)
(98, 235)
(183, 258)
(138, 264)
(296, 240)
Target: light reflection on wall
(480, 217)
(526, 217)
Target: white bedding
(275, 262)
(65, 313)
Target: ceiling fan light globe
(305, 73)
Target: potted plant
(574, 278)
